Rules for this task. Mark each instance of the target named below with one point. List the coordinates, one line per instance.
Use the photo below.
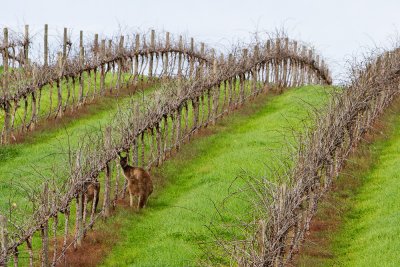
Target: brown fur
(139, 182)
(90, 192)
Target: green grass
(370, 232)
(168, 231)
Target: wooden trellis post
(107, 187)
(284, 82)
(242, 78)
(303, 67)
(315, 77)
(7, 106)
(165, 136)
(254, 72)
(180, 57)
(81, 64)
(195, 105)
(165, 56)
(159, 145)
(79, 204)
(215, 92)
(26, 46)
(201, 68)
(120, 61)
(46, 45)
(142, 150)
(267, 65)
(45, 227)
(60, 60)
(95, 53)
(276, 63)
(178, 127)
(191, 58)
(151, 54)
(136, 60)
(309, 73)
(65, 40)
(295, 67)
(3, 240)
(102, 67)
(66, 230)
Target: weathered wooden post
(65, 40)
(159, 145)
(26, 46)
(267, 65)
(79, 204)
(120, 61)
(3, 241)
(107, 187)
(81, 65)
(165, 137)
(323, 68)
(142, 150)
(46, 45)
(7, 105)
(201, 68)
(277, 62)
(96, 45)
(191, 58)
(151, 54)
(60, 60)
(178, 127)
(45, 227)
(254, 72)
(315, 79)
(102, 67)
(295, 67)
(165, 56)
(303, 66)
(230, 85)
(96, 58)
(242, 78)
(180, 57)
(111, 66)
(136, 60)
(285, 63)
(309, 73)
(215, 92)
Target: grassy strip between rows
(358, 224)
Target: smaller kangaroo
(91, 188)
(139, 182)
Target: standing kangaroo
(139, 182)
(91, 188)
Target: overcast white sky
(337, 28)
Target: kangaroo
(91, 188)
(139, 182)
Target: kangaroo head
(123, 160)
